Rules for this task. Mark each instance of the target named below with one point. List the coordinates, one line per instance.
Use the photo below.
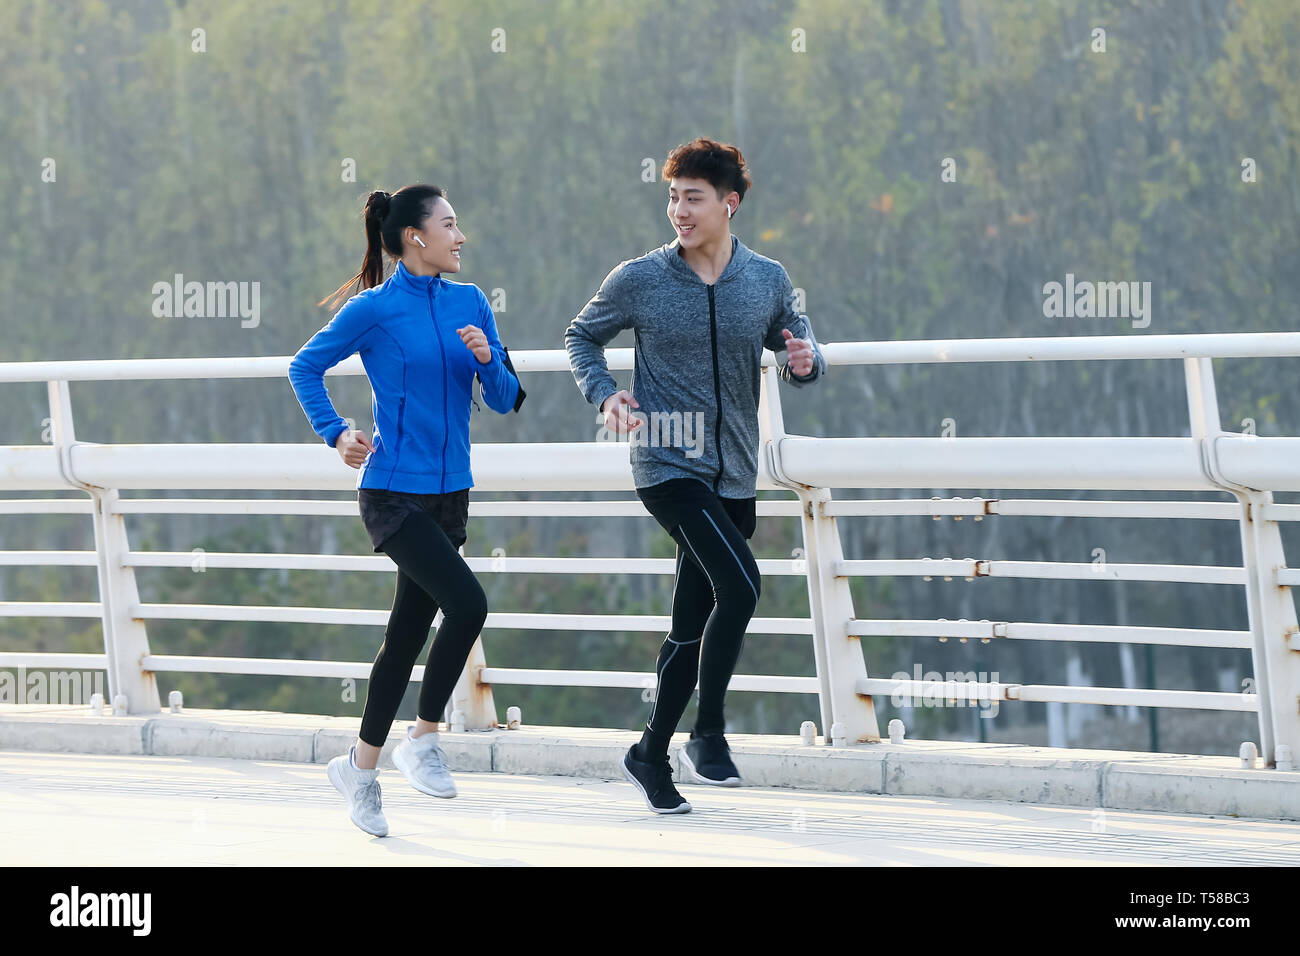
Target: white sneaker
(361, 788)
(424, 764)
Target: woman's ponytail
(385, 216)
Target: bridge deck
(80, 809)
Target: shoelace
(434, 757)
(663, 775)
(368, 794)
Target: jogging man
(702, 308)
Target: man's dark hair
(719, 163)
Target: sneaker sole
(683, 808)
(332, 772)
(696, 777)
(400, 763)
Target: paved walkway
(78, 809)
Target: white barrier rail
(1247, 467)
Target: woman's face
(442, 239)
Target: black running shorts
(382, 512)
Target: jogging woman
(702, 309)
(423, 340)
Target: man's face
(696, 212)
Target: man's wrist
(808, 375)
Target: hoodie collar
(416, 285)
(675, 264)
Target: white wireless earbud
(728, 210)
(421, 242)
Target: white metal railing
(1247, 467)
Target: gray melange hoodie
(697, 360)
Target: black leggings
(715, 594)
(430, 575)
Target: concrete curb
(1121, 780)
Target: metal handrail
(1248, 467)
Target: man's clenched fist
(617, 417)
(800, 352)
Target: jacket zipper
(401, 413)
(442, 480)
(717, 388)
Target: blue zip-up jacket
(421, 378)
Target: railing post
(1275, 652)
(130, 642)
(838, 654)
(471, 696)
(1270, 608)
(844, 660)
(126, 644)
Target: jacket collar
(675, 264)
(416, 285)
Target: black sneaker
(655, 781)
(707, 759)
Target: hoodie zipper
(717, 388)
(442, 480)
